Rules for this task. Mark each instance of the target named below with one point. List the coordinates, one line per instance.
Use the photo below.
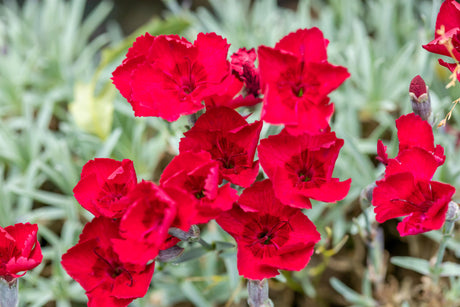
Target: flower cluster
(214, 175)
(407, 189)
(447, 35)
(19, 250)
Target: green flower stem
(374, 241)
(8, 293)
(205, 244)
(447, 231)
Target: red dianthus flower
(424, 202)
(167, 76)
(270, 235)
(19, 250)
(94, 264)
(104, 185)
(144, 227)
(296, 76)
(407, 189)
(230, 140)
(301, 167)
(198, 174)
(447, 30)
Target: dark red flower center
(199, 194)
(195, 185)
(303, 176)
(295, 81)
(301, 169)
(417, 207)
(188, 76)
(266, 234)
(112, 192)
(229, 154)
(113, 268)
(155, 215)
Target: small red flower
(19, 250)
(407, 189)
(230, 140)
(144, 227)
(243, 65)
(296, 74)
(447, 32)
(104, 185)
(198, 174)
(167, 76)
(244, 81)
(95, 265)
(301, 167)
(423, 202)
(449, 19)
(270, 235)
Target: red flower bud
(420, 98)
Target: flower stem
(373, 237)
(8, 293)
(447, 230)
(258, 293)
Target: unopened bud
(453, 212)
(169, 254)
(365, 198)
(420, 97)
(192, 235)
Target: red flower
(94, 264)
(244, 73)
(301, 167)
(230, 140)
(270, 235)
(243, 65)
(198, 174)
(449, 18)
(424, 202)
(167, 76)
(407, 189)
(144, 226)
(19, 250)
(296, 74)
(447, 32)
(104, 185)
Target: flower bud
(169, 254)
(453, 212)
(420, 98)
(193, 235)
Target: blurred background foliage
(59, 109)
